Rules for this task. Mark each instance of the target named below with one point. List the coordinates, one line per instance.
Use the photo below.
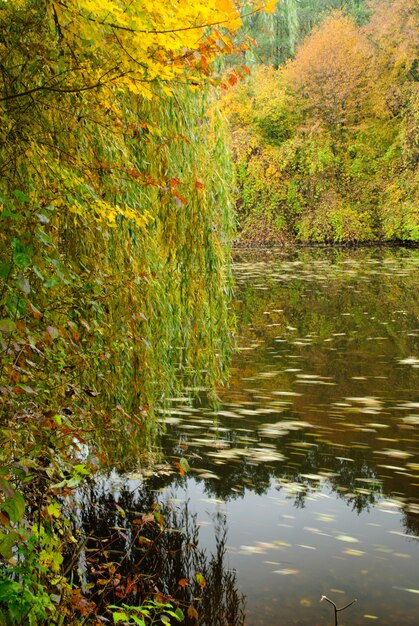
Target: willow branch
(169, 30)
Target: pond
(304, 479)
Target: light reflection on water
(313, 454)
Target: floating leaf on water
(262, 455)
(367, 400)
(283, 427)
(402, 555)
(249, 412)
(252, 550)
(396, 454)
(407, 589)
(401, 534)
(383, 549)
(227, 414)
(395, 468)
(171, 420)
(316, 531)
(295, 487)
(412, 420)
(232, 453)
(311, 377)
(312, 476)
(267, 374)
(209, 475)
(411, 360)
(347, 539)
(266, 546)
(324, 517)
(286, 393)
(282, 544)
(316, 381)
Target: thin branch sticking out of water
(336, 608)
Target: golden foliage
(326, 148)
(332, 72)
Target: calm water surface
(311, 460)
(313, 455)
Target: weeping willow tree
(115, 210)
(114, 246)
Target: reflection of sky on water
(288, 557)
(322, 402)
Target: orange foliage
(332, 72)
(395, 26)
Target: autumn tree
(114, 245)
(326, 147)
(332, 74)
(278, 34)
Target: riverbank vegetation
(114, 286)
(325, 132)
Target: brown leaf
(35, 312)
(192, 613)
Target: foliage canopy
(327, 146)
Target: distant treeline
(326, 145)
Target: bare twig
(336, 608)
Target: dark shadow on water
(136, 548)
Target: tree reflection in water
(136, 547)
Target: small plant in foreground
(149, 613)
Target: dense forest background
(325, 132)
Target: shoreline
(295, 245)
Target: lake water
(305, 477)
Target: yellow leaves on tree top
(131, 45)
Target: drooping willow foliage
(114, 246)
(115, 222)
